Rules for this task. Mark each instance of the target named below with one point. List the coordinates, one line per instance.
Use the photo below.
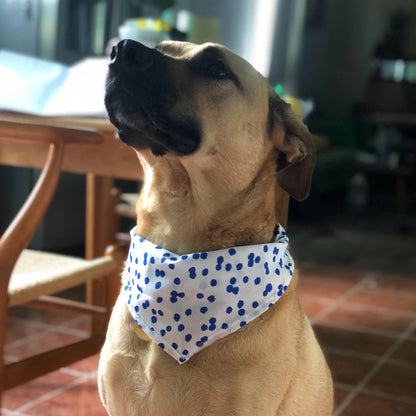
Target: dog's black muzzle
(140, 94)
(134, 54)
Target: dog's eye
(217, 70)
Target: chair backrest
(20, 231)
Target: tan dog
(215, 143)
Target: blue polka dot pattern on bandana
(185, 303)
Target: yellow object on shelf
(158, 25)
(146, 30)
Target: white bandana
(185, 303)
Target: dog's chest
(166, 391)
(236, 385)
(194, 395)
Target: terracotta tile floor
(366, 323)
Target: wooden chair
(29, 277)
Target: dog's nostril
(113, 54)
(134, 54)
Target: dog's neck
(185, 208)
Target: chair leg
(105, 293)
(1, 380)
(118, 252)
(101, 217)
(100, 231)
(3, 323)
(96, 295)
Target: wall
(241, 22)
(236, 22)
(19, 17)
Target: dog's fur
(215, 143)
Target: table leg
(101, 227)
(101, 218)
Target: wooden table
(100, 163)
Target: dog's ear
(296, 151)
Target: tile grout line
(24, 340)
(355, 305)
(353, 354)
(44, 325)
(382, 395)
(5, 412)
(78, 373)
(13, 413)
(363, 329)
(340, 300)
(343, 386)
(360, 386)
(362, 306)
(47, 329)
(69, 331)
(365, 356)
(402, 362)
(53, 393)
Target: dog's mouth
(139, 98)
(143, 129)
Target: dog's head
(201, 102)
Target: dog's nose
(132, 53)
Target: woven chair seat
(40, 273)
